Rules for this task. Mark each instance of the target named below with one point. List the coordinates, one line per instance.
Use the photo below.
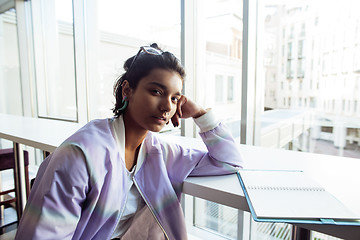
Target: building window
(301, 45)
(301, 68)
(289, 69)
(230, 89)
(291, 36)
(290, 52)
(238, 48)
(219, 88)
(302, 32)
(356, 59)
(283, 33)
(355, 106)
(357, 31)
(290, 61)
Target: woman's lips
(160, 119)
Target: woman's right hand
(186, 108)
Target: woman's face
(154, 101)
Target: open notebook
(292, 197)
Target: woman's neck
(134, 135)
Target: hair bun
(154, 45)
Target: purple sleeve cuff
(207, 122)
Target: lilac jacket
(79, 191)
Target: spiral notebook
(292, 197)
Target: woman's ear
(126, 89)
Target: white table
(338, 175)
(44, 134)
(39, 133)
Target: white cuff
(207, 121)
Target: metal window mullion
(241, 227)
(182, 59)
(249, 100)
(81, 79)
(26, 57)
(188, 58)
(244, 82)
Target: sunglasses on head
(148, 50)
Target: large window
(217, 84)
(117, 30)
(320, 104)
(54, 58)
(11, 100)
(301, 67)
(325, 79)
(10, 90)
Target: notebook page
(291, 195)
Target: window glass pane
(318, 94)
(322, 72)
(122, 27)
(218, 85)
(10, 84)
(218, 218)
(54, 58)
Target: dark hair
(141, 67)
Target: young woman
(115, 178)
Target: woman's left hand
(186, 108)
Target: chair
(9, 235)
(7, 161)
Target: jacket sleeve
(55, 202)
(222, 155)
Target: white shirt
(133, 200)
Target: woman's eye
(156, 92)
(175, 99)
